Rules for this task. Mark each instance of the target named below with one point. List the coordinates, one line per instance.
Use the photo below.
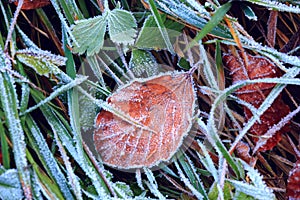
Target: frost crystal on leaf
(10, 186)
(143, 62)
(277, 5)
(89, 34)
(121, 26)
(43, 62)
(149, 119)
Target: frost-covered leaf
(188, 184)
(207, 161)
(72, 178)
(150, 36)
(57, 125)
(121, 26)
(187, 14)
(152, 183)
(214, 21)
(10, 186)
(277, 5)
(255, 176)
(123, 190)
(43, 62)
(143, 63)
(191, 171)
(214, 192)
(257, 193)
(88, 111)
(89, 34)
(73, 83)
(257, 189)
(156, 111)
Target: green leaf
(161, 26)
(143, 63)
(183, 63)
(43, 62)
(123, 190)
(150, 36)
(88, 112)
(121, 26)
(89, 34)
(10, 186)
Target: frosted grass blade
(46, 157)
(10, 104)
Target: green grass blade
(60, 126)
(57, 92)
(213, 22)
(4, 145)
(45, 155)
(9, 103)
(161, 26)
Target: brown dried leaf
(242, 150)
(258, 67)
(293, 183)
(33, 4)
(164, 104)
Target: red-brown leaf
(163, 104)
(293, 183)
(33, 4)
(258, 67)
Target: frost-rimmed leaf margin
(43, 62)
(89, 33)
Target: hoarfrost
(152, 184)
(87, 110)
(64, 22)
(26, 39)
(275, 128)
(72, 178)
(188, 183)
(9, 104)
(10, 186)
(57, 92)
(50, 163)
(277, 5)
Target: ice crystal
(10, 186)
(43, 62)
(277, 6)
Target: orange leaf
(164, 104)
